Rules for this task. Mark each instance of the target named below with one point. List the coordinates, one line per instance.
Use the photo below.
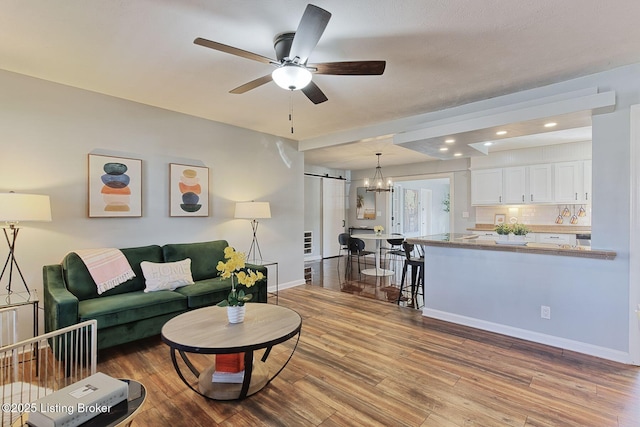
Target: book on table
(229, 368)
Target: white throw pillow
(166, 276)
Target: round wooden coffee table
(207, 331)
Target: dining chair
(343, 241)
(357, 249)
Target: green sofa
(126, 313)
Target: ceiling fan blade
(234, 51)
(252, 84)
(312, 25)
(353, 68)
(314, 93)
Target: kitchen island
(539, 292)
(471, 241)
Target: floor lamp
(16, 208)
(253, 211)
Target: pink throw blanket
(108, 267)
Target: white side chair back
(35, 367)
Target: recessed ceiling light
(458, 154)
(444, 149)
(550, 124)
(450, 141)
(501, 132)
(486, 144)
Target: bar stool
(395, 250)
(417, 283)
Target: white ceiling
(439, 53)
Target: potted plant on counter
(519, 231)
(503, 231)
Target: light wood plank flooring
(365, 362)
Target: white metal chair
(35, 367)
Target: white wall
(47, 130)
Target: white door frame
(634, 247)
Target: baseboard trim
(563, 343)
(287, 285)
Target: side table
(17, 299)
(264, 263)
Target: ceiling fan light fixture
(291, 77)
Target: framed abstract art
(188, 190)
(115, 186)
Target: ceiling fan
(292, 52)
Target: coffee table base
(231, 391)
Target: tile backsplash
(533, 214)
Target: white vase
(235, 313)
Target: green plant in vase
(503, 229)
(520, 230)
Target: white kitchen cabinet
(486, 235)
(540, 184)
(486, 187)
(586, 194)
(573, 182)
(564, 182)
(560, 239)
(527, 184)
(515, 185)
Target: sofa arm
(260, 292)
(60, 305)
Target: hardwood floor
(365, 362)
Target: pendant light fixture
(378, 183)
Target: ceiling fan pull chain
(291, 110)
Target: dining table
(379, 270)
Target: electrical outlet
(545, 312)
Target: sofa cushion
(130, 307)
(204, 256)
(81, 284)
(166, 276)
(206, 292)
(211, 291)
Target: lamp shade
(253, 210)
(15, 207)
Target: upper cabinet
(587, 180)
(573, 182)
(515, 184)
(566, 182)
(486, 187)
(540, 184)
(528, 184)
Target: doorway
(421, 206)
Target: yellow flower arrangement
(378, 229)
(233, 268)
